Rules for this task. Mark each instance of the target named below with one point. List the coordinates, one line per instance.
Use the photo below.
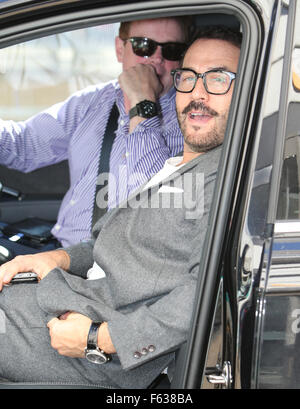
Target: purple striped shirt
(74, 130)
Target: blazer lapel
(140, 192)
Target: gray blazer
(150, 248)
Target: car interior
(35, 74)
(30, 84)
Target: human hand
(40, 264)
(139, 83)
(69, 334)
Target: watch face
(96, 357)
(148, 109)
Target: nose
(199, 92)
(157, 57)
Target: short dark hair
(186, 23)
(219, 33)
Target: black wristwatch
(145, 109)
(92, 352)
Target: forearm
(104, 340)
(134, 122)
(13, 151)
(147, 152)
(40, 263)
(152, 331)
(69, 335)
(80, 258)
(26, 145)
(153, 140)
(61, 258)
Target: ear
(119, 46)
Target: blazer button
(137, 355)
(151, 348)
(144, 351)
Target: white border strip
(287, 227)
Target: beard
(202, 142)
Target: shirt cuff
(154, 122)
(137, 344)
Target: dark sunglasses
(145, 47)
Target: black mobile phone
(24, 278)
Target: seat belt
(107, 144)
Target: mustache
(199, 106)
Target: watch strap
(92, 340)
(133, 112)
(141, 110)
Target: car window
(289, 194)
(277, 365)
(39, 73)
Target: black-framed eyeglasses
(216, 82)
(145, 47)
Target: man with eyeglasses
(147, 132)
(204, 94)
(133, 315)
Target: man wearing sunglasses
(146, 135)
(148, 257)
(147, 62)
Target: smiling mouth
(195, 114)
(199, 116)
(199, 110)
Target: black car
(246, 323)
